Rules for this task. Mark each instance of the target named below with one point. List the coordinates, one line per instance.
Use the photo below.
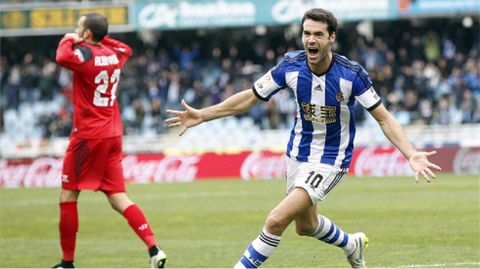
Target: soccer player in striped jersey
(326, 86)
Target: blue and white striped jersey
(324, 126)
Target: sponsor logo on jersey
(318, 88)
(328, 114)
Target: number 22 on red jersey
(103, 81)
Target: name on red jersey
(106, 60)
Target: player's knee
(304, 229)
(119, 201)
(114, 206)
(68, 196)
(276, 224)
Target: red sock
(139, 224)
(68, 227)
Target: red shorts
(94, 164)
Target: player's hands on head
(187, 118)
(422, 166)
(76, 37)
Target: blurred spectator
(48, 82)
(432, 47)
(426, 111)
(472, 76)
(139, 114)
(468, 106)
(196, 96)
(12, 88)
(29, 83)
(443, 114)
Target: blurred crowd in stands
(426, 72)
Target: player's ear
(332, 37)
(87, 34)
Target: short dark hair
(322, 15)
(98, 24)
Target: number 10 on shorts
(314, 179)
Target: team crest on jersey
(340, 96)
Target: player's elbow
(252, 99)
(60, 59)
(381, 121)
(388, 123)
(125, 49)
(128, 51)
(384, 123)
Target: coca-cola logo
(381, 162)
(47, 172)
(167, 169)
(262, 166)
(467, 161)
(41, 172)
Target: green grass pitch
(209, 224)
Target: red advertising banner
(148, 168)
(467, 161)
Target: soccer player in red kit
(93, 157)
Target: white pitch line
(439, 265)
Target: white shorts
(317, 179)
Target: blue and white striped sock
(330, 233)
(259, 250)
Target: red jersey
(96, 74)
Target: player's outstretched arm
(188, 118)
(393, 131)
(235, 104)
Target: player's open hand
(187, 118)
(76, 37)
(422, 166)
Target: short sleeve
(369, 99)
(271, 82)
(72, 56)
(361, 82)
(364, 91)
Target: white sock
(330, 233)
(259, 250)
